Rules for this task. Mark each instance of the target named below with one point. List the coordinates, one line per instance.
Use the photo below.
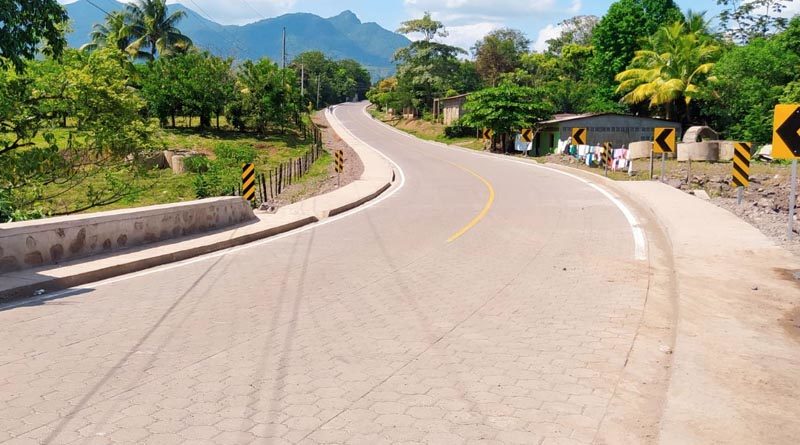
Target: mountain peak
(347, 16)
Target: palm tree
(673, 68)
(114, 33)
(154, 28)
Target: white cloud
(465, 36)
(545, 34)
(471, 11)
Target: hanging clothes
(522, 146)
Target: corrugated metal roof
(559, 118)
(453, 97)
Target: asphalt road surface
(481, 300)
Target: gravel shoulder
(330, 180)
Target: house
(449, 109)
(619, 129)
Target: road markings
(483, 212)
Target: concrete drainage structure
(30, 244)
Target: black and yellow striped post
(741, 168)
(249, 183)
(606, 156)
(339, 165)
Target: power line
(101, 9)
(254, 9)
(231, 39)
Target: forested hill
(340, 37)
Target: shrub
(458, 130)
(234, 154)
(197, 164)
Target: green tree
(117, 33)
(750, 81)
(110, 136)
(672, 69)
(499, 52)
(577, 30)
(746, 20)
(155, 29)
(336, 81)
(426, 26)
(616, 38)
(506, 109)
(265, 96)
(426, 68)
(24, 24)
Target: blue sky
(466, 20)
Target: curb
(79, 279)
(58, 284)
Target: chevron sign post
(786, 145)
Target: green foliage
(265, 95)
(499, 52)
(219, 177)
(672, 69)
(24, 24)
(191, 84)
(506, 108)
(616, 38)
(577, 30)
(426, 26)
(110, 135)
(750, 19)
(336, 81)
(751, 81)
(197, 164)
(154, 29)
(458, 129)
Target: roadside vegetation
(87, 130)
(644, 57)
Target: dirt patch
(791, 322)
(330, 180)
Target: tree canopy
(25, 24)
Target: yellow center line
(485, 210)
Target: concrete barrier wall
(639, 150)
(699, 151)
(31, 244)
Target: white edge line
(399, 185)
(639, 236)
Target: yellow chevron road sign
(741, 165)
(664, 140)
(579, 136)
(249, 182)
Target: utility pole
(284, 48)
(302, 80)
(319, 79)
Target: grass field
(163, 186)
(430, 131)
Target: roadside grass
(156, 186)
(427, 130)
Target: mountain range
(341, 37)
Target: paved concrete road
(382, 327)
